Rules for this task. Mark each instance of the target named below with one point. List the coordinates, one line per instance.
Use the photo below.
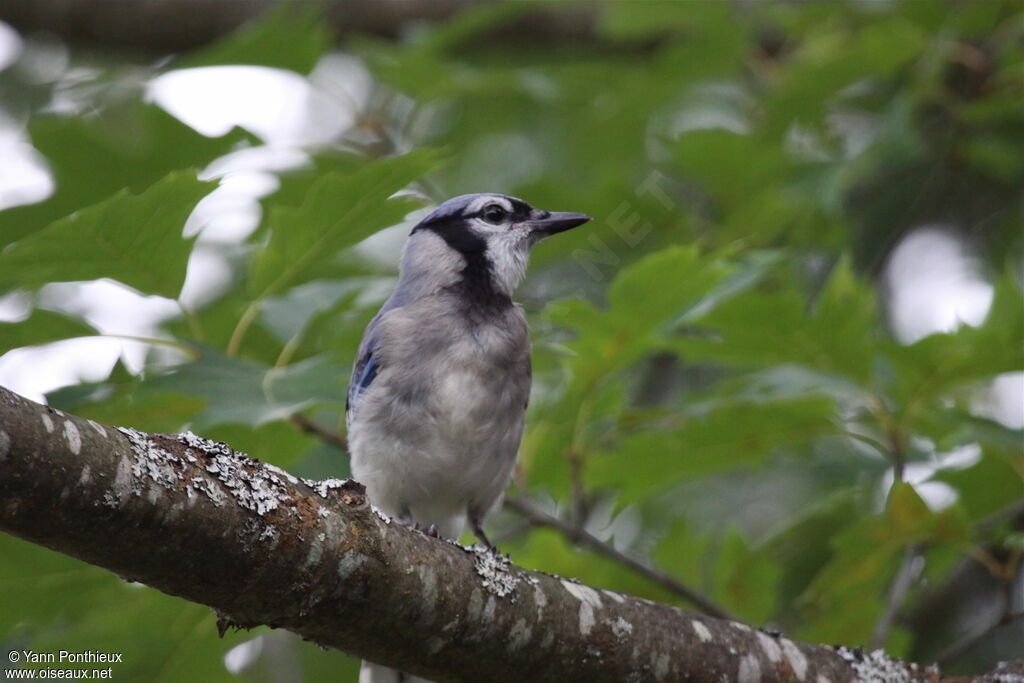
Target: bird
(441, 381)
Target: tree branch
(195, 519)
(579, 535)
(898, 589)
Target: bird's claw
(430, 530)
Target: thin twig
(967, 642)
(580, 536)
(898, 590)
(512, 532)
(579, 494)
(310, 427)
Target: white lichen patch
(97, 427)
(383, 517)
(254, 487)
(47, 422)
(750, 670)
(702, 631)
(879, 667)
(614, 596)
(73, 437)
(493, 569)
(292, 479)
(270, 534)
(621, 628)
(322, 487)
(770, 647)
(797, 660)
(519, 636)
(5, 445)
(151, 463)
(589, 599)
(823, 679)
(85, 477)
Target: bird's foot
(493, 549)
(430, 530)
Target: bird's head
(493, 233)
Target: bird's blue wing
(368, 363)
(363, 374)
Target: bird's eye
(494, 214)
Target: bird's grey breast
(462, 373)
(442, 420)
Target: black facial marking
(521, 211)
(476, 286)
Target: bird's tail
(375, 673)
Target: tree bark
(195, 519)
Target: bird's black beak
(558, 221)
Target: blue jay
(442, 377)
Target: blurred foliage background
(783, 365)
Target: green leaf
(907, 512)
(838, 334)
(42, 327)
(135, 239)
(843, 602)
(730, 166)
(288, 36)
(954, 427)
(748, 578)
(51, 598)
(131, 145)
(644, 300)
(723, 436)
(930, 368)
(993, 483)
(805, 547)
(149, 412)
(638, 295)
(240, 391)
(339, 210)
(1015, 541)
